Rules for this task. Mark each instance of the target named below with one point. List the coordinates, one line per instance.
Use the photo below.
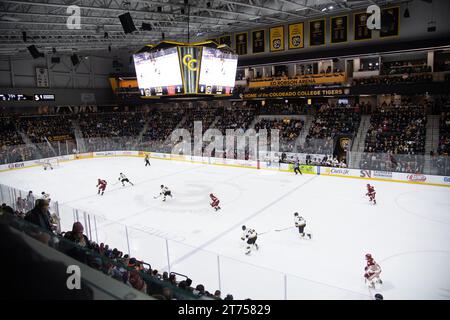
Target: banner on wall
(296, 36)
(276, 37)
(391, 22)
(361, 32)
(225, 40)
(339, 29)
(317, 32)
(241, 43)
(296, 93)
(301, 80)
(258, 41)
(42, 80)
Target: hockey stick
(278, 230)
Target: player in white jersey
(45, 196)
(250, 236)
(165, 192)
(300, 223)
(372, 272)
(123, 179)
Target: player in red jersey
(372, 272)
(101, 185)
(371, 193)
(215, 202)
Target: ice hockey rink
(407, 232)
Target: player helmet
(296, 214)
(162, 186)
(244, 227)
(369, 256)
(211, 195)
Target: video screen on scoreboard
(217, 72)
(158, 73)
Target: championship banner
(391, 22)
(276, 38)
(296, 36)
(258, 41)
(297, 93)
(361, 32)
(339, 29)
(225, 40)
(301, 80)
(241, 43)
(42, 79)
(317, 33)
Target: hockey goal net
(51, 163)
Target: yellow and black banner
(276, 37)
(317, 32)
(296, 36)
(301, 80)
(391, 22)
(241, 43)
(296, 93)
(361, 32)
(339, 29)
(258, 41)
(225, 40)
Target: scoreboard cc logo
(190, 62)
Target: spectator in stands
(40, 215)
(77, 236)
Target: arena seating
(397, 130)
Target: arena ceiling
(44, 21)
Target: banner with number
(391, 22)
(317, 32)
(241, 43)
(258, 41)
(296, 36)
(361, 32)
(277, 38)
(339, 29)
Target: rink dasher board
(369, 175)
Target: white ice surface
(408, 231)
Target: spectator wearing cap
(77, 236)
(40, 216)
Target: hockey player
(101, 185)
(147, 160)
(250, 236)
(215, 202)
(45, 196)
(297, 167)
(165, 192)
(47, 165)
(372, 272)
(371, 193)
(123, 179)
(300, 223)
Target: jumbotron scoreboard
(175, 68)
